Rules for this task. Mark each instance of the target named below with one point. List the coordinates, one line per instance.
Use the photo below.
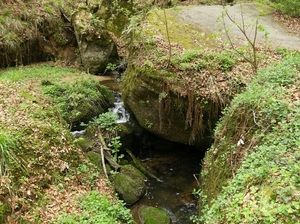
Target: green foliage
(106, 121)
(200, 60)
(117, 14)
(79, 101)
(289, 7)
(115, 145)
(7, 155)
(106, 124)
(257, 180)
(98, 209)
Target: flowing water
(119, 109)
(177, 168)
(176, 165)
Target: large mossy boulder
(152, 215)
(129, 184)
(96, 46)
(177, 89)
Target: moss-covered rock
(129, 184)
(95, 158)
(96, 47)
(173, 90)
(152, 215)
(126, 134)
(79, 100)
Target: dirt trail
(206, 17)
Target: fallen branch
(103, 162)
(140, 167)
(108, 156)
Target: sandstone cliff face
(164, 111)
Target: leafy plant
(115, 145)
(98, 209)
(106, 121)
(149, 124)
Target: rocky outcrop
(163, 87)
(96, 46)
(54, 32)
(29, 36)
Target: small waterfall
(120, 109)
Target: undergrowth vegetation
(250, 174)
(25, 25)
(97, 208)
(42, 166)
(80, 100)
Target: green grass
(38, 72)
(7, 156)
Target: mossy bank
(44, 174)
(251, 173)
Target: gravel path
(206, 17)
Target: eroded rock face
(96, 47)
(165, 112)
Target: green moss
(179, 32)
(250, 172)
(129, 183)
(95, 158)
(80, 101)
(152, 215)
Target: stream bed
(177, 169)
(176, 165)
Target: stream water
(176, 165)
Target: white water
(120, 110)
